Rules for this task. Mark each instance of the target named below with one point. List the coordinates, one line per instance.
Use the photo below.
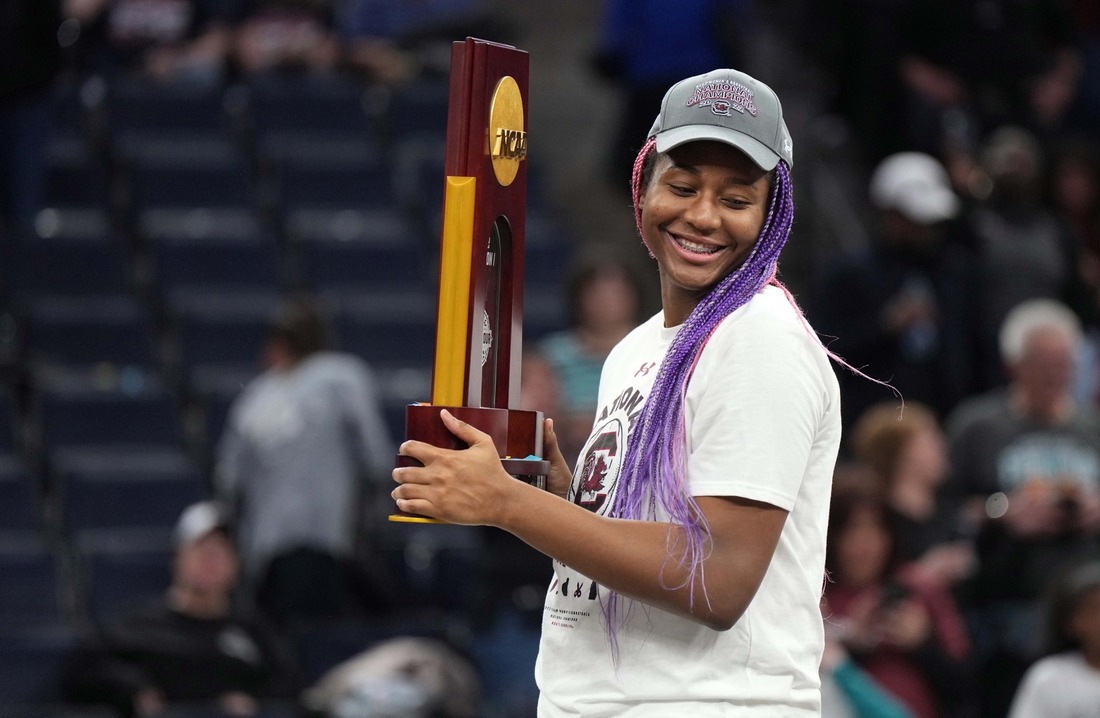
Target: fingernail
(445, 412)
(551, 425)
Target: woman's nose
(702, 214)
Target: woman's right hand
(560, 476)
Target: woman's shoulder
(770, 318)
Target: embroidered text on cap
(722, 96)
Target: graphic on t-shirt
(1049, 460)
(598, 471)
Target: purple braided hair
(654, 472)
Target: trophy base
(514, 432)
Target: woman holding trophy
(689, 543)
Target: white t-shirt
(1061, 686)
(762, 423)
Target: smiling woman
(689, 543)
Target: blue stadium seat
(100, 407)
(307, 104)
(186, 172)
(348, 247)
(420, 108)
(31, 659)
(437, 567)
(125, 488)
(67, 256)
(420, 173)
(28, 581)
(386, 327)
(87, 330)
(203, 248)
(217, 386)
(398, 388)
(176, 107)
(547, 253)
(543, 312)
(124, 569)
(222, 327)
(7, 422)
(72, 176)
(328, 171)
(18, 504)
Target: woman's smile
(702, 213)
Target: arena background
(153, 222)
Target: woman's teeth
(693, 247)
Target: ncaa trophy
(479, 323)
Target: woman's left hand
(469, 486)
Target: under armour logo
(644, 369)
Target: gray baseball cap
(725, 106)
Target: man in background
(297, 443)
(1028, 460)
(194, 645)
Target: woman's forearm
(642, 559)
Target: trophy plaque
(479, 330)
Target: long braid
(654, 474)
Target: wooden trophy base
(517, 435)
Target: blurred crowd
(964, 540)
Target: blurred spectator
(908, 638)
(648, 45)
(846, 689)
(288, 35)
(907, 452)
(1067, 682)
(297, 442)
(971, 65)
(903, 309)
(1029, 460)
(400, 678)
(29, 60)
(164, 40)
(1075, 195)
(859, 43)
(194, 645)
(396, 41)
(1023, 252)
(604, 300)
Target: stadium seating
(394, 327)
(205, 248)
(329, 171)
(31, 659)
(71, 252)
(219, 327)
(28, 581)
(102, 407)
(7, 422)
(88, 330)
(216, 386)
(350, 247)
(124, 568)
(136, 106)
(419, 109)
(18, 503)
(188, 171)
(112, 488)
(307, 104)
